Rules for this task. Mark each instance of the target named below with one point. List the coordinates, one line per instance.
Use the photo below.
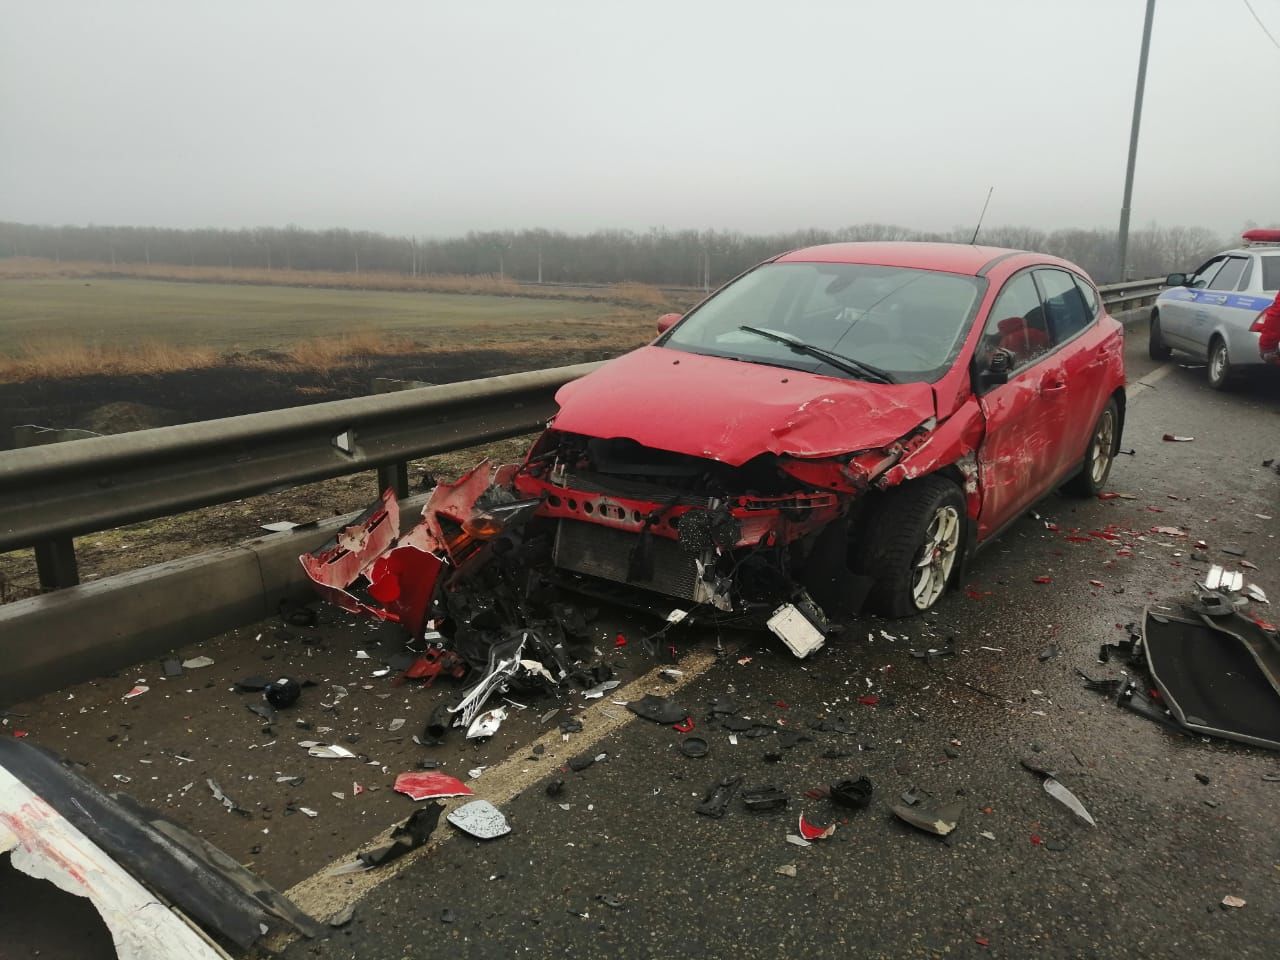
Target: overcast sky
(437, 118)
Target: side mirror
(666, 321)
(997, 370)
(1176, 280)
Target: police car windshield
(908, 324)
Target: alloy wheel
(936, 557)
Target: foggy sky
(437, 118)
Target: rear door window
(1247, 277)
(1229, 275)
(1064, 304)
(1090, 295)
(1016, 323)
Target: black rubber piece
(658, 709)
(762, 799)
(854, 794)
(694, 747)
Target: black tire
(893, 541)
(1157, 349)
(1220, 371)
(1099, 455)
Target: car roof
(962, 258)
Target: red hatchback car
(845, 423)
(840, 426)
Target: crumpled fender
(954, 442)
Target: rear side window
(1064, 304)
(1270, 273)
(1246, 276)
(1229, 275)
(1090, 296)
(1016, 323)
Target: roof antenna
(981, 215)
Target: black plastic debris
(581, 762)
(252, 684)
(716, 799)
(172, 668)
(772, 756)
(439, 723)
(555, 788)
(723, 706)
(832, 725)
(447, 916)
(763, 799)
(298, 616)
(694, 747)
(854, 794)
(1049, 652)
(282, 693)
(573, 725)
(1234, 549)
(658, 709)
(1203, 778)
(408, 835)
(793, 738)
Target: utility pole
(706, 271)
(1122, 244)
(539, 262)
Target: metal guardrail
(1132, 293)
(52, 493)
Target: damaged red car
(839, 428)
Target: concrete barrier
(67, 636)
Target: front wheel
(1219, 364)
(912, 545)
(1157, 349)
(1099, 456)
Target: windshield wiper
(855, 367)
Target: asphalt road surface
(630, 869)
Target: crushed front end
(732, 541)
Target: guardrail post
(55, 558)
(395, 475)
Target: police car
(1213, 314)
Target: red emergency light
(1261, 236)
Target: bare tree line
(662, 257)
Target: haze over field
(437, 119)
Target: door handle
(1053, 382)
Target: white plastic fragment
(676, 615)
(798, 841)
(479, 818)
(600, 689)
(308, 811)
(395, 724)
(1256, 593)
(1236, 902)
(329, 751)
(487, 724)
(137, 691)
(278, 526)
(793, 628)
(195, 663)
(1067, 799)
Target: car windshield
(906, 323)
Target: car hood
(731, 411)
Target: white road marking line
(322, 896)
(1142, 386)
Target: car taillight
(1257, 323)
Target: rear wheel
(1157, 349)
(1098, 456)
(912, 545)
(1219, 364)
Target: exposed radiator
(604, 552)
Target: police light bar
(1261, 236)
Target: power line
(1270, 35)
